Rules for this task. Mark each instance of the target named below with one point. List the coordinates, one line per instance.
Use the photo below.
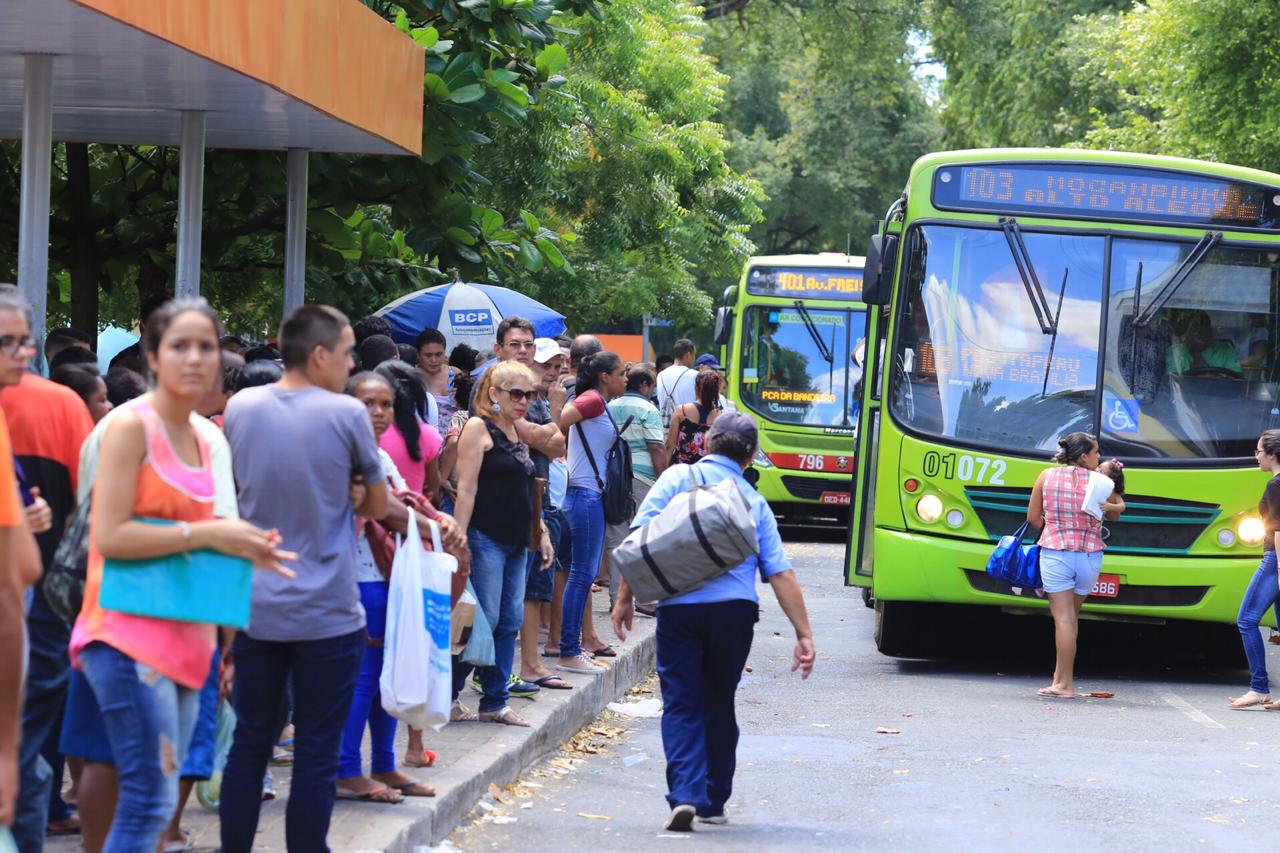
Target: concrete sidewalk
(469, 757)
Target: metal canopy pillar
(295, 237)
(33, 219)
(190, 203)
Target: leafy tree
(1019, 71)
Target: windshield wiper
(823, 349)
(1027, 272)
(1197, 254)
(1053, 342)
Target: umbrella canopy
(467, 314)
(111, 341)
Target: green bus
(1018, 295)
(793, 333)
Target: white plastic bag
(415, 680)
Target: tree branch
(710, 13)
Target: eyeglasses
(529, 345)
(9, 345)
(517, 395)
(1255, 453)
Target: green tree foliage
(1201, 79)
(627, 157)
(824, 109)
(1020, 72)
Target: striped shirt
(1066, 526)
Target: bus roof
(824, 259)
(1085, 155)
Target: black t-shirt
(1269, 509)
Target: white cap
(545, 349)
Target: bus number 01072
(965, 468)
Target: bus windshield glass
(786, 375)
(973, 362)
(1198, 378)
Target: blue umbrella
(467, 314)
(111, 341)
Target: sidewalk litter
(645, 708)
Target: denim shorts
(1062, 571)
(83, 733)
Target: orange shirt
(10, 501)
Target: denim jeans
(497, 576)
(48, 672)
(149, 720)
(1262, 593)
(585, 510)
(323, 675)
(702, 649)
(366, 705)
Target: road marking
(1190, 711)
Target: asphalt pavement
(956, 753)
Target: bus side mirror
(724, 325)
(877, 275)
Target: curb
(634, 663)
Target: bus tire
(904, 629)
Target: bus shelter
(290, 75)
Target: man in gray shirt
(297, 446)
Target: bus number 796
(965, 468)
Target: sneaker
(582, 665)
(521, 689)
(681, 819)
(268, 787)
(715, 819)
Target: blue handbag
(199, 586)
(1015, 563)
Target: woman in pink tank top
(1070, 547)
(146, 673)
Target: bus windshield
(785, 372)
(1188, 366)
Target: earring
(496, 407)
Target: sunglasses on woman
(517, 395)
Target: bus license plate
(1107, 586)
(813, 462)
(836, 498)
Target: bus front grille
(1149, 525)
(1130, 594)
(812, 489)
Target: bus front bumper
(915, 567)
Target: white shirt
(678, 383)
(1096, 493)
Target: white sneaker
(582, 665)
(681, 819)
(715, 820)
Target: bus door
(877, 286)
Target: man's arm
(658, 455)
(19, 568)
(787, 590)
(544, 438)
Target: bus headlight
(955, 518)
(929, 508)
(1226, 537)
(1251, 531)
(762, 459)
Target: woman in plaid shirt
(1070, 547)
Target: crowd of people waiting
(307, 457)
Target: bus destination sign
(806, 282)
(1106, 192)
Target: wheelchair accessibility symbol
(1121, 415)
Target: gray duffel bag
(701, 534)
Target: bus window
(970, 359)
(785, 374)
(1199, 379)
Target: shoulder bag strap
(586, 447)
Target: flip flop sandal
(606, 652)
(427, 759)
(1044, 694)
(179, 846)
(460, 713)
(547, 654)
(378, 795)
(505, 717)
(552, 682)
(1237, 705)
(415, 789)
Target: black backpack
(619, 501)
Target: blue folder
(199, 586)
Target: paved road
(980, 761)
